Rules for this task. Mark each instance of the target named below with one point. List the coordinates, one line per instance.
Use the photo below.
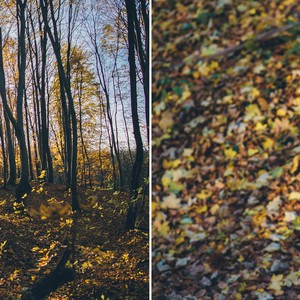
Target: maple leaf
(260, 127)
(167, 120)
(292, 278)
(281, 125)
(230, 153)
(276, 282)
(268, 143)
(171, 201)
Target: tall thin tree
(24, 187)
(137, 166)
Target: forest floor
(226, 150)
(108, 262)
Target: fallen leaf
(171, 201)
(273, 247)
(276, 282)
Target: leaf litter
(226, 211)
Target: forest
(74, 157)
(225, 149)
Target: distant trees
(17, 122)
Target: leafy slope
(226, 149)
(108, 263)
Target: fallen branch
(51, 281)
(263, 37)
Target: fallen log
(51, 281)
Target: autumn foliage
(226, 149)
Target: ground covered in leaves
(108, 262)
(226, 149)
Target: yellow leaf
(278, 65)
(230, 153)
(268, 143)
(252, 110)
(14, 275)
(203, 69)
(289, 78)
(292, 279)
(259, 126)
(87, 265)
(276, 282)
(294, 196)
(164, 229)
(154, 206)
(295, 164)
(69, 221)
(214, 209)
(241, 258)
(196, 74)
(42, 175)
(214, 65)
(260, 218)
(296, 101)
(165, 181)
(229, 170)
(171, 164)
(186, 94)
(281, 112)
(40, 190)
(204, 194)
(255, 93)
(232, 19)
(201, 209)
(252, 151)
(238, 296)
(179, 240)
(228, 99)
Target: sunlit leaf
(294, 196)
(230, 153)
(276, 282)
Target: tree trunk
(54, 38)
(24, 187)
(4, 156)
(143, 53)
(28, 140)
(137, 167)
(11, 152)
